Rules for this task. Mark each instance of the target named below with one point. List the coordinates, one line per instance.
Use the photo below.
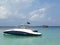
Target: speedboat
(23, 32)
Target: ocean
(50, 36)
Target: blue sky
(37, 12)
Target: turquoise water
(50, 36)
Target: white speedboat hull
(23, 32)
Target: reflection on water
(18, 36)
(20, 40)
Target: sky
(37, 12)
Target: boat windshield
(23, 26)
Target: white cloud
(25, 0)
(3, 12)
(19, 15)
(52, 20)
(3, 1)
(9, 7)
(16, 9)
(38, 15)
(21, 4)
(18, 4)
(49, 18)
(21, 1)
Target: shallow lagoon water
(50, 36)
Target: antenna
(27, 20)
